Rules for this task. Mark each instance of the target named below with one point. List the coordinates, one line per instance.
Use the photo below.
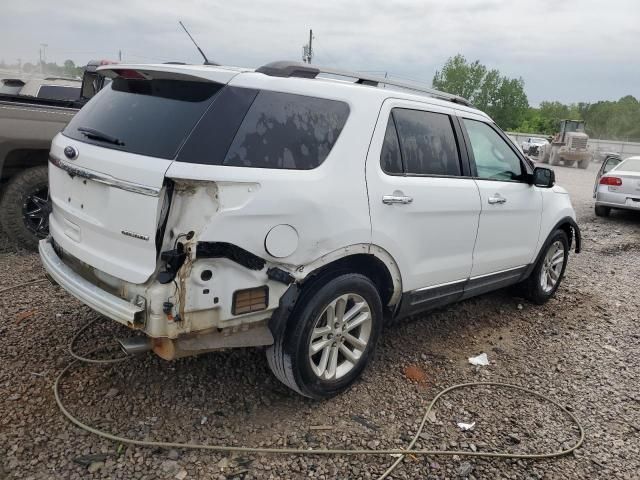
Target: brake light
(129, 74)
(613, 181)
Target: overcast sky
(571, 50)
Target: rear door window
(390, 157)
(287, 131)
(148, 117)
(427, 143)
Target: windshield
(148, 117)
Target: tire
(584, 164)
(532, 288)
(569, 163)
(602, 211)
(554, 158)
(25, 207)
(289, 357)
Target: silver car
(617, 185)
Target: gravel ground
(582, 349)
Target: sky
(566, 50)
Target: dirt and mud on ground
(582, 349)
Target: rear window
(282, 130)
(630, 165)
(59, 92)
(148, 117)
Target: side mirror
(543, 177)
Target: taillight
(614, 181)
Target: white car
(293, 208)
(533, 142)
(617, 185)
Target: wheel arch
(369, 260)
(18, 159)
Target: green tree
(501, 97)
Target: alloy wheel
(340, 336)
(552, 266)
(35, 212)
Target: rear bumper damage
(99, 300)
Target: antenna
(307, 50)
(206, 60)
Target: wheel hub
(340, 336)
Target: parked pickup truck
(28, 123)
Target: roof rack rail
(304, 70)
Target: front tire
(25, 207)
(549, 270)
(329, 337)
(584, 164)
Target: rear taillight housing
(612, 181)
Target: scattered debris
(431, 416)
(112, 393)
(87, 460)
(465, 469)
(466, 426)
(415, 374)
(320, 427)
(480, 360)
(181, 475)
(24, 315)
(365, 422)
(95, 466)
(514, 437)
(203, 420)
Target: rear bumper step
(103, 302)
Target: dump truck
(28, 123)
(568, 146)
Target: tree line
(67, 69)
(505, 100)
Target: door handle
(497, 198)
(401, 199)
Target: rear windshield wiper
(98, 135)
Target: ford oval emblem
(71, 153)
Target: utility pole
(119, 55)
(307, 50)
(43, 56)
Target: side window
(493, 157)
(427, 142)
(282, 130)
(390, 158)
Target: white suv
(291, 207)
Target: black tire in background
(289, 357)
(25, 207)
(602, 211)
(532, 288)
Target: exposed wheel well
(365, 264)
(568, 229)
(20, 159)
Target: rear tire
(569, 163)
(602, 211)
(25, 207)
(584, 164)
(549, 270)
(323, 350)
